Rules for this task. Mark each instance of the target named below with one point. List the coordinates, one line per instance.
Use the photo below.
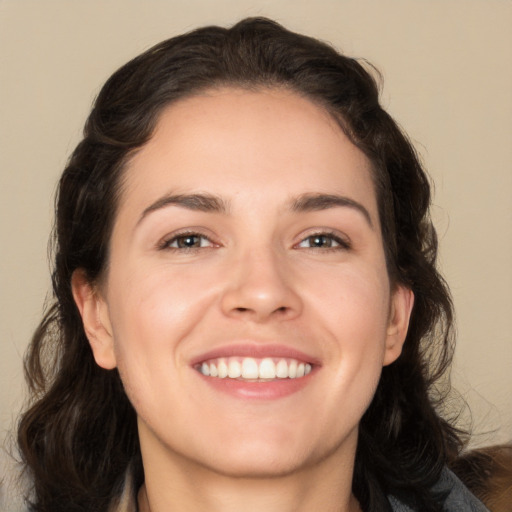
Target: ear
(95, 317)
(402, 301)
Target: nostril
(280, 310)
(257, 303)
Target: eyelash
(341, 243)
(166, 243)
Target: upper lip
(256, 350)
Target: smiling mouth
(254, 369)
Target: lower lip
(271, 390)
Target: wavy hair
(78, 436)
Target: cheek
(152, 312)
(355, 303)
(354, 308)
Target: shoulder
(487, 472)
(451, 492)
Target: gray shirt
(457, 497)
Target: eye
(187, 241)
(323, 241)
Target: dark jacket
(452, 492)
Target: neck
(174, 483)
(249, 497)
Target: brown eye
(185, 242)
(322, 241)
(188, 241)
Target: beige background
(448, 81)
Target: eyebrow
(317, 202)
(214, 204)
(196, 202)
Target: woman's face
(247, 304)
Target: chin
(260, 467)
(262, 458)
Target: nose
(261, 287)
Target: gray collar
(457, 497)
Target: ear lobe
(95, 317)
(402, 302)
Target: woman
(247, 311)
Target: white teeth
(267, 369)
(292, 370)
(234, 369)
(222, 369)
(250, 368)
(282, 369)
(253, 369)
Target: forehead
(227, 141)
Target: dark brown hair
(79, 435)
(487, 472)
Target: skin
(257, 278)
